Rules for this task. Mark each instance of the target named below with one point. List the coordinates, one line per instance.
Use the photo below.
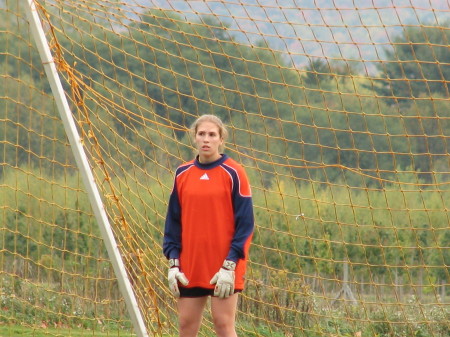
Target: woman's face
(208, 141)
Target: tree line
(326, 112)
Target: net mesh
(338, 112)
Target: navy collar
(211, 165)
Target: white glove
(224, 280)
(175, 276)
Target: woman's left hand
(224, 280)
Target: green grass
(14, 330)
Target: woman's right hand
(175, 276)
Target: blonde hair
(223, 132)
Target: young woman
(207, 233)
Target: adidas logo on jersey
(204, 177)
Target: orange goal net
(337, 109)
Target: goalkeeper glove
(224, 280)
(175, 276)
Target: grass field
(14, 330)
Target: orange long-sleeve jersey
(209, 219)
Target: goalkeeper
(207, 233)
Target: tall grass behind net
(338, 113)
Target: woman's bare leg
(223, 312)
(190, 311)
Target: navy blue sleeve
(244, 222)
(172, 228)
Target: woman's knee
(224, 327)
(223, 316)
(223, 321)
(191, 324)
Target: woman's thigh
(190, 310)
(223, 310)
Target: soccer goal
(338, 110)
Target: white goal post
(83, 165)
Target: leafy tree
(26, 109)
(19, 237)
(317, 73)
(418, 65)
(426, 127)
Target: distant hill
(317, 28)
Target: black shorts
(199, 292)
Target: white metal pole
(83, 165)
